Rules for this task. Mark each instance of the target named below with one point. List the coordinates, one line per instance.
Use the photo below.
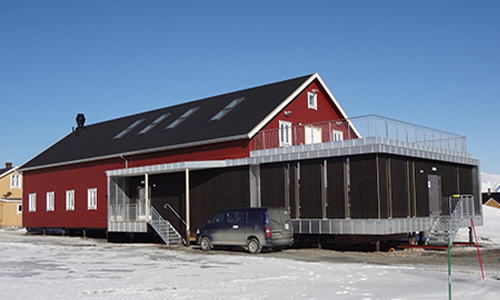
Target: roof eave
(9, 171)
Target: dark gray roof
(98, 140)
(4, 170)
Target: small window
(227, 109)
(19, 209)
(92, 198)
(285, 133)
(312, 100)
(32, 202)
(182, 118)
(255, 217)
(128, 129)
(156, 122)
(218, 218)
(338, 135)
(50, 201)
(70, 200)
(15, 181)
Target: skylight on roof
(126, 130)
(182, 118)
(155, 122)
(227, 109)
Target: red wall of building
(80, 177)
(301, 113)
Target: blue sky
(433, 63)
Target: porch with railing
(370, 126)
(127, 213)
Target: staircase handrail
(175, 213)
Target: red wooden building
(283, 144)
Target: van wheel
(205, 244)
(253, 246)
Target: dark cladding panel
(363, 193)
(169, 188)
(335, 196)
(383, 179)
(465, 180)
(293, 189)
(272, 184)
(217, 189)
(411, 188)
(449, 179)
(399, 187)
(310, 189)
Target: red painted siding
(302, 114)
(81, 177)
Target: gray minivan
(251, 228)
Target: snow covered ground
(37, 267)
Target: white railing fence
(359, 127)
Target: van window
(236, 217)
(274, 216)
(255, 217)
(218, 218)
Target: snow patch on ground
(50, 267)
(489, 233)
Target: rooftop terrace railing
(368, 126)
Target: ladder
(165, 230)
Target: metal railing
(461, 206)
(127, 212)
(457, 212)
(175, 213)
(164, 229)
(359, 127)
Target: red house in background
(153, 174)
(65, 186)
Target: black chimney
(80, 120)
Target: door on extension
(434, 195)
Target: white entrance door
(313, 135)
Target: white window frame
(285, 133)
(19, 209)
(32, 202)
(15, 181)
(92, 199)
(70, 200)
(314, 103)
(337, 135)
(50, 201)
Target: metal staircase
(164, 229)
(457, 211)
